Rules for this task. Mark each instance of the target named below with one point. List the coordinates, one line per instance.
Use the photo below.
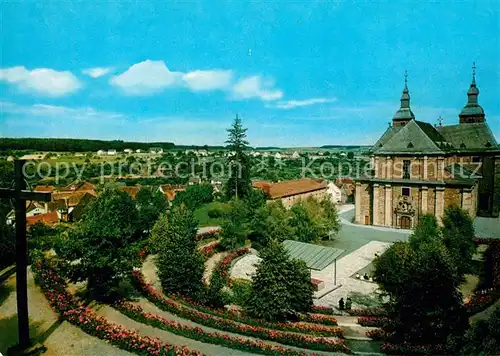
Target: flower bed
(211, 234)
(367, 312)
(207, 319)
(210, 249)
(319, 319)
(318, 309)
(410, 349)
(135, 312)
(224, 266)
(376, 321)
(69, 308)
(376, 334)
(479, 302)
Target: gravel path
(211, 263)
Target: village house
(170, 190)
(111, 152)
(335, 193)
(293, 191)
(423, 169)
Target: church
(419, 168)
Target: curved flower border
(69, 308)
(135, 312)
(283, 337)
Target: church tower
(404, 114)
(472, 111)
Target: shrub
(373, 321)
(216, 212)
(241, 290)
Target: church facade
(422, 169)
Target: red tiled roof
(48, 218)
(169, 194)
(132, 191)
(290, 187)
(173, 187)
(44, 188)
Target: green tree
(483, 338)
(195, 196)
(280, 287)
(270, 221)
(150, 205)
(427, 230)
(105, 242)
(238, 185)
(458, 237)
(180, 265)
(234, 229)
(304, 227)
(425, 303)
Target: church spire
(404, 114)
(472, 111)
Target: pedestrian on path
(341, 304)
(348, 304)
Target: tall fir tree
(180, 264)
(238, 184)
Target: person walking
(341, 304)
(348, 304)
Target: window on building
(476, 159)
(406, 169)
(405, 191)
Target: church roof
(469, 136)
(391, 130)
(416, 136)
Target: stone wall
(289, 201)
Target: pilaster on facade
(423, 199)
(439, 203)
(388, 205)
(358, 202)
(375, 204)
(467, 200)
(424, 169)
(388, 167)
(440, 168)
(377, 167)
(496, 187)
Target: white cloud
(97, 71)
(256, 87)
(199, 80)
(146, 77)
(290, 104)
(42, 81)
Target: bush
(216, 212)
(241, 290)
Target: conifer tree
(238, 184)
(180, 265)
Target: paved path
(353, 236)
(487, 227)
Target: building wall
(289, 201)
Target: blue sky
(298, 73)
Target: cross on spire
(406, 78)
(474, 72)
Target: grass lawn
(201, 214)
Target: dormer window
(410, 145)
(462, 145)
(488, 144)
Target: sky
(298, 74)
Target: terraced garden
(160, 324)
